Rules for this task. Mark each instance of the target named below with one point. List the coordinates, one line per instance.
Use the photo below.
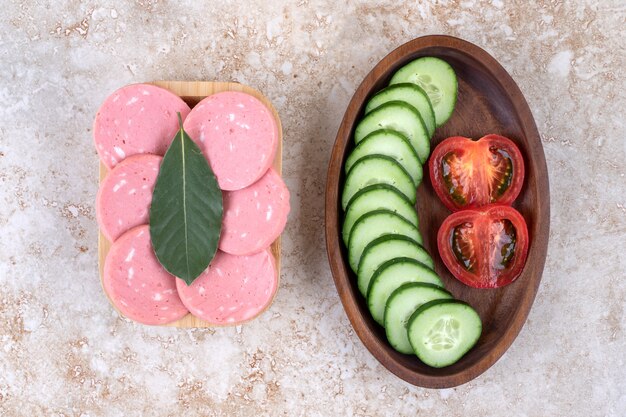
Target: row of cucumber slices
(394, 272)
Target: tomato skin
(485, 247)
(468, 174)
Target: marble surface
(65, 352)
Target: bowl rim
(537, 250)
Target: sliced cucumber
(401, 117)
(438, 80)
(390, 143)
(384, 249)
(411, 94)
(375, 224)
(442, 331)
(377, 169)
(401, 305)
(373, 197)
(391, 275)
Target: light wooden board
(192, 92)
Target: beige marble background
(65, 352)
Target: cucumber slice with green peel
(377, 169)
(401, 117)
(374, 197)
(401, 305)
(373, 225)
(391, 275)
(437, 79)
(442, 331)
(389, 143)
(384, 249)
(411, 94)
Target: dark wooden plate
(489, 101)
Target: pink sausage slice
(125, 194)
(138, 118)
(232, 289)
(238, 135)
(136, 282)
(255, 216)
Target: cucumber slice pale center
(444, 335)
(434, 93)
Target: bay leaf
(186, 210)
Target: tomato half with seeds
(467, 174)
(485, 247)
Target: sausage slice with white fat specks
(237, 134)
(255, 216)
(135, 119)
(136, 283)
(233, 289)
(125, 194)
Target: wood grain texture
(489, 101)
(193, 92)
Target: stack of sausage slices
(239, 137)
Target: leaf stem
(184, 172)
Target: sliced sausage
(136, 282)
(233, 288)
(255, 216)
(125, 194)
(238, 135)
(137, 118)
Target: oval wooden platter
(193, 92)
(489, 101)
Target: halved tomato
(469, 174)
(486, 247)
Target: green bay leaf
(186, 210)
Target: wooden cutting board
(192, 92)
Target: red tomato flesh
(468, 174)
(484, 248)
